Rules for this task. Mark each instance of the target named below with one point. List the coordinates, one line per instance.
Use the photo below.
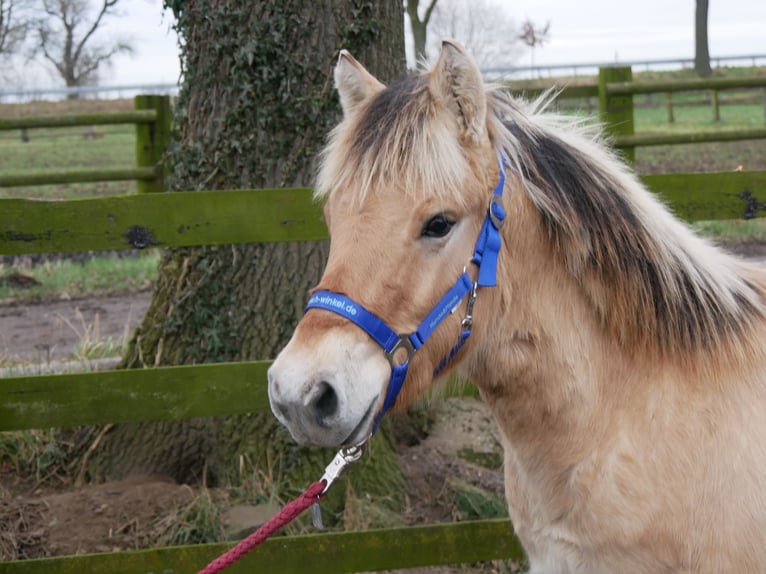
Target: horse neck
(550, 367)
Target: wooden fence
(206, 217)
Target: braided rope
(312, 495)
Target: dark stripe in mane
(649, 290)
(395, 116)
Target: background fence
(219, 217)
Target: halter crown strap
(485, 257)
(489, 241)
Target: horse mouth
(361, 431)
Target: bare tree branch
(67, 38)
(484, 27)
(14, 23)
(96, 23)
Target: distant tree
(533, 36)
(484, 27)
(67, 39)
(14, 23)
(701, 49)
(419, 27)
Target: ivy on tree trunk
(255, 106)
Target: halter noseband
(485, 256)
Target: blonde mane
(653, 283)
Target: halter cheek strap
(485, 257)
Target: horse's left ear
(457, 81)
(353, 82)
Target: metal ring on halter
(497, 219)
(403, 343)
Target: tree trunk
(419, 28)
(701, 49)
(255, 106)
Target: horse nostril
(325, 402)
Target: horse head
(406, 178)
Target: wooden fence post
(669, 105)
(151, 140)
(716, 105)
(616, 110)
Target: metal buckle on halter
(345, 457)
(497, 220)
(403, 343)
(467, 322)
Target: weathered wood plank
(648, 139)
(710, 196)
(333, 553)
(69, 120)
(166, 393)
(49, 177)
(152, 139)
(161, 219)
(616, 110)
(655, 86)
(67, 400)
(208, 218)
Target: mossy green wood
(73, 120)
(161, 219)
(211, 218)
(616, 110)
(166, 393)
(333, 553)
(152, 139)
(711, 196)
(624, 86)
(649, 139)
(135, 395)
(78, 176)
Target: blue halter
(484, 257)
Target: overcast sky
(581, 31)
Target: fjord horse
(623, 357)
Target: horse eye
(438, 226)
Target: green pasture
(55, 149)
(108, 274)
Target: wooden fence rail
(152, 118)
(222, 217)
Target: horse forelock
(653, 282)
(401, 140)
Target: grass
(65, 148)
(69, 279)
(50, 150)
(37, 453)
(737, 231)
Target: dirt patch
(53, 330)
(100, 518)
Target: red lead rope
(312, 495)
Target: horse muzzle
(328, 393)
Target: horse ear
(353, 82)
(457, 81)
